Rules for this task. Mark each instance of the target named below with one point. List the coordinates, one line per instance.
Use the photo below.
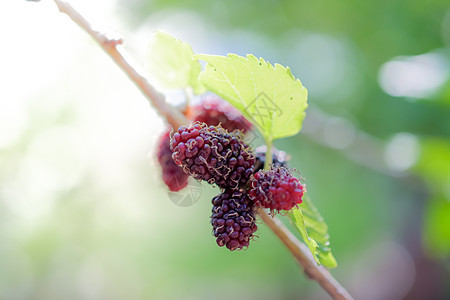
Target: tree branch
(112, 45)
(305, 258)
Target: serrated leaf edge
(249, 58)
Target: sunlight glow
(414, 76)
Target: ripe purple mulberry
(279, 158)
(172, 175)
(233, 219)
(214, 111)
(276, 189)
(212, 154)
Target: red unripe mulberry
(276, 189)
(173, 176)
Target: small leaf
(269, 96)
(171, 62)
(314, 232)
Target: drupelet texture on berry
(233, 219)
(173, 176)
(212, 110)
(279, 158)
(212, 154)
(276, 189)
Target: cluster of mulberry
(233, 219)
(214, 111)
(212, 154)
(212, 149)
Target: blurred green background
(85, 215)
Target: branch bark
(305, 258)
(113, 46)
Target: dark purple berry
(276, 189)
(212, 154)
(172, 175)
(279, 158)
(214, 111)
(233, 219)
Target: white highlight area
(413, 76)
(402, 151)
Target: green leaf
(314, 232)
(171, 62)
(269, 96)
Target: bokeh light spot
(414, 76)
(402, 151)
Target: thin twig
(268, 158)
(112, 46)
(304, 257)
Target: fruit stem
(112, 45)
(268, 158)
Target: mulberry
(276, 189)
(172, 175)
(233, 219)
(214, 111)
(279, 158)
(212, 154)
